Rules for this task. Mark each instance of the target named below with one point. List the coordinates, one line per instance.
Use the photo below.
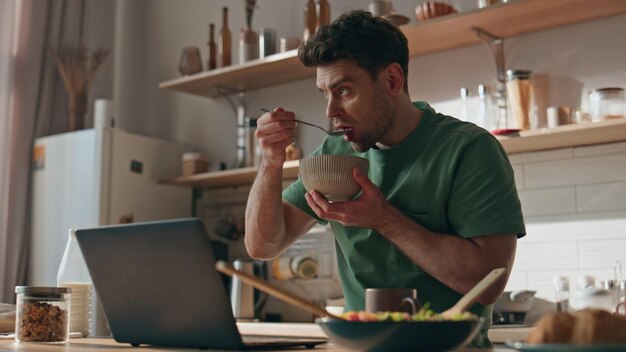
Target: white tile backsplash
(601, 254)
(575, 171)
(601, 197)
(574, 227)
(574, 203)
(556, 154)
(600, 149)
(560, 200)
(553, 255)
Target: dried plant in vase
(77, 66)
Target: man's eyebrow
(333, 85)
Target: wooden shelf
(528, 141)
(566, 136)
(229, 178)
(454, 31)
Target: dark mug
(391, 300)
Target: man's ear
(395, 78)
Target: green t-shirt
(449, 176)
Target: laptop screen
(158, 285)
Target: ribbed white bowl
(331, 175)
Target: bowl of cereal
(331, 175)
(399, 331)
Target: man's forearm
(266, 235)
(457, 262)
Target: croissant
(584, 327)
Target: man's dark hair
(357, 36)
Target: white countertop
(499, 334)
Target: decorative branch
(77, 65)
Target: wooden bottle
(225, 41)
(211, 49)
(323, 13)
(310, 19)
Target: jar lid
(195, 156)
(518, 74)
(42, 289)
(304, 267)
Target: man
(439, 208)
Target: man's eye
(343, 91)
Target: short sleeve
(484, 198)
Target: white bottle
(73, 273)
(485, 114)
(466, 111)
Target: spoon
(472, 296)
(330, 133)
(273, 290)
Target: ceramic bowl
(331, 175)
(400, 336)
(432, 9)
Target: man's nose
(333, 108)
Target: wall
(573, 198)
(574, 203)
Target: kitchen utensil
(473, 294)
(400, 336)
(331, 133)
(331, 175)
(273, 290)
(512, 306)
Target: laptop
(158, 285)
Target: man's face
(356, 103)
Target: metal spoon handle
(310, 124)
(332, 133)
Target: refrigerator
(97, 177)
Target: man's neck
(406, 118)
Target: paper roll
(103, 114)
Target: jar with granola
(42, 314)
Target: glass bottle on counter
(484, 115)
(73, 274)
(466, 112)
(225, 41)
(561, 290)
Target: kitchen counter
(497, 335)
(109, 345)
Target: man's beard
(383, 109)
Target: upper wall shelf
(528, 141)
(454, 31)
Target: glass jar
(520, 96)
(42, 314)
(607, 103)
